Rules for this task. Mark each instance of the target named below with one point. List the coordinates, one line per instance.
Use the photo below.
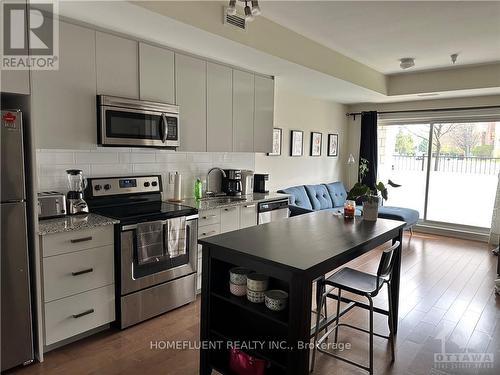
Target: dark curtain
(368, 146)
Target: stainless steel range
(155, 245)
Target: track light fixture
(250, 11)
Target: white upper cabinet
(264, 112)
(64, 100)
(243, 111)
(219, 108)
(191, 96)
(156, 74)
(117, 66)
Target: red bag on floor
(241, 363)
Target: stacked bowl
(238, 281)
(257, 284)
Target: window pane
(464, 169)
(403, 159)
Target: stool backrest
(387, 262)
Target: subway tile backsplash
(99, 162)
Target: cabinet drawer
(72, 273)
(73, 315)
(248, 215)
(67, 242)
(229, 219)
(209, 217)
(208, 230)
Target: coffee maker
(231, 183)
(74, 199)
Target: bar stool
(362, 284)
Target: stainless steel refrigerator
(16, 325)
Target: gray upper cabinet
(191, 96)
(156, 74)
(264, 112)
(117, 66)
(219, 108)
(243, 111)
(15, 81)
(63, 101)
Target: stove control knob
(97, 187)
(107, 187)
(154, 183)
(146, 184)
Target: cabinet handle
(83, 239)
(79, 315)
(229, 208)
(209, 216)
(207, 233)
(82, 272)
(249, 206)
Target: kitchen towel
(149, 241)
(176, 237)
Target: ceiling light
(406, 62)
(248, 13)
(255, 8)
(231, 9)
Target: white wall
(293, 111)
(99, 162)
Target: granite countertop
(71, 223)
(221, 202)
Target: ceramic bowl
(257, 282)
(238, 275)
(255, 297)
(276, 300)
(237, 290)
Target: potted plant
(370, 198)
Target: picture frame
(277, 139)
(297, 143)
(316, 144)
(333, 145)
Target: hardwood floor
(446, 299)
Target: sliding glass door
(448, 171)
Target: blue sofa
(331, 197)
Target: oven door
(120, 126)
(135, 277)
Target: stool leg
(337, 319)
(371, 333)
(391, 322)
(316, 330)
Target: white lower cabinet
(73, 315)
(248, 215)
(78, 282)
(229, 219)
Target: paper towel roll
(177, 187)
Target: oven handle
(134, 226)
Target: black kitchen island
(293, 253)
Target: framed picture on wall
(277, 136)
(333, 145)
(297, 143)
(316, 143)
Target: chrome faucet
(209, 193)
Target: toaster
(51, 204)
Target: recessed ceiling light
(406, 62)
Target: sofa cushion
(319, 197)
(338, 194)
(408, 215)
(298, 196)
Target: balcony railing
(449, 164)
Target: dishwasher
(273, 211)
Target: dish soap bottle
(198, 189)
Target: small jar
(349, 209)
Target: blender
(74, 199)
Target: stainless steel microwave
(136, 123)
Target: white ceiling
(379, 33)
